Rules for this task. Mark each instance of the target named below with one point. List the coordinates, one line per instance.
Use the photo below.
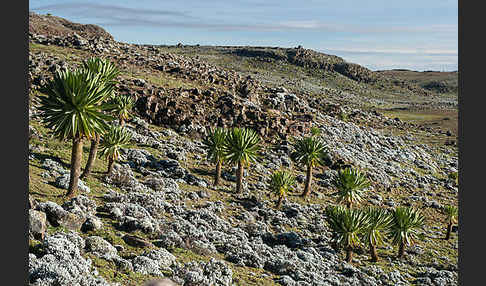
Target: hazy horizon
(414, 35)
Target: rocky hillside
(56, 26)
(157, 215)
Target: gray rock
(54, 166)
(145, 265)
(63, 182)
(122, 176)
(57, 216)
(170, 240)
(91, 223)
(215, 273)
(80, 205)
(286, 281)
(37, 224)
(163, 258)
(62, 264)
(98, 246)
(139, 157)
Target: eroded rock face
(226, 110)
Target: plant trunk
(239, 178)
(76, 157)
(401, 250)
(279, 202)
(308, 181)
(449, 230)
(349, 255)
(349, 204)
(217, 175)
(92, 156)
(374, 256)
(110, 166)
(121, 122)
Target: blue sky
(378, 34)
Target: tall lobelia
(451, 213)
(347, 226)
(406, 221)
(309, 152)
(115, 139)
(281, 182)
(107, 72)
(214, 145)
(73, 109)
(351, 184)
(241, 147)
(123, 107)
(378, 222)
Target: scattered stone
(136, 241)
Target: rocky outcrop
(57, 26)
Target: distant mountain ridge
(307, 58)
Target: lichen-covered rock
(62, 264)
(215, 273)
(57, 216)
(80, 205)
(164, 258)
(91, 223)
(122, 176)
(53, 166)
(138, 157)
(98, 246)
(145, 265)
(63, 182)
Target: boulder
(37, 224)
(145, 265)
(98, 246)
(63, 182)
(164, 258)
(57, 216)
(91, 223)
(136, 241)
